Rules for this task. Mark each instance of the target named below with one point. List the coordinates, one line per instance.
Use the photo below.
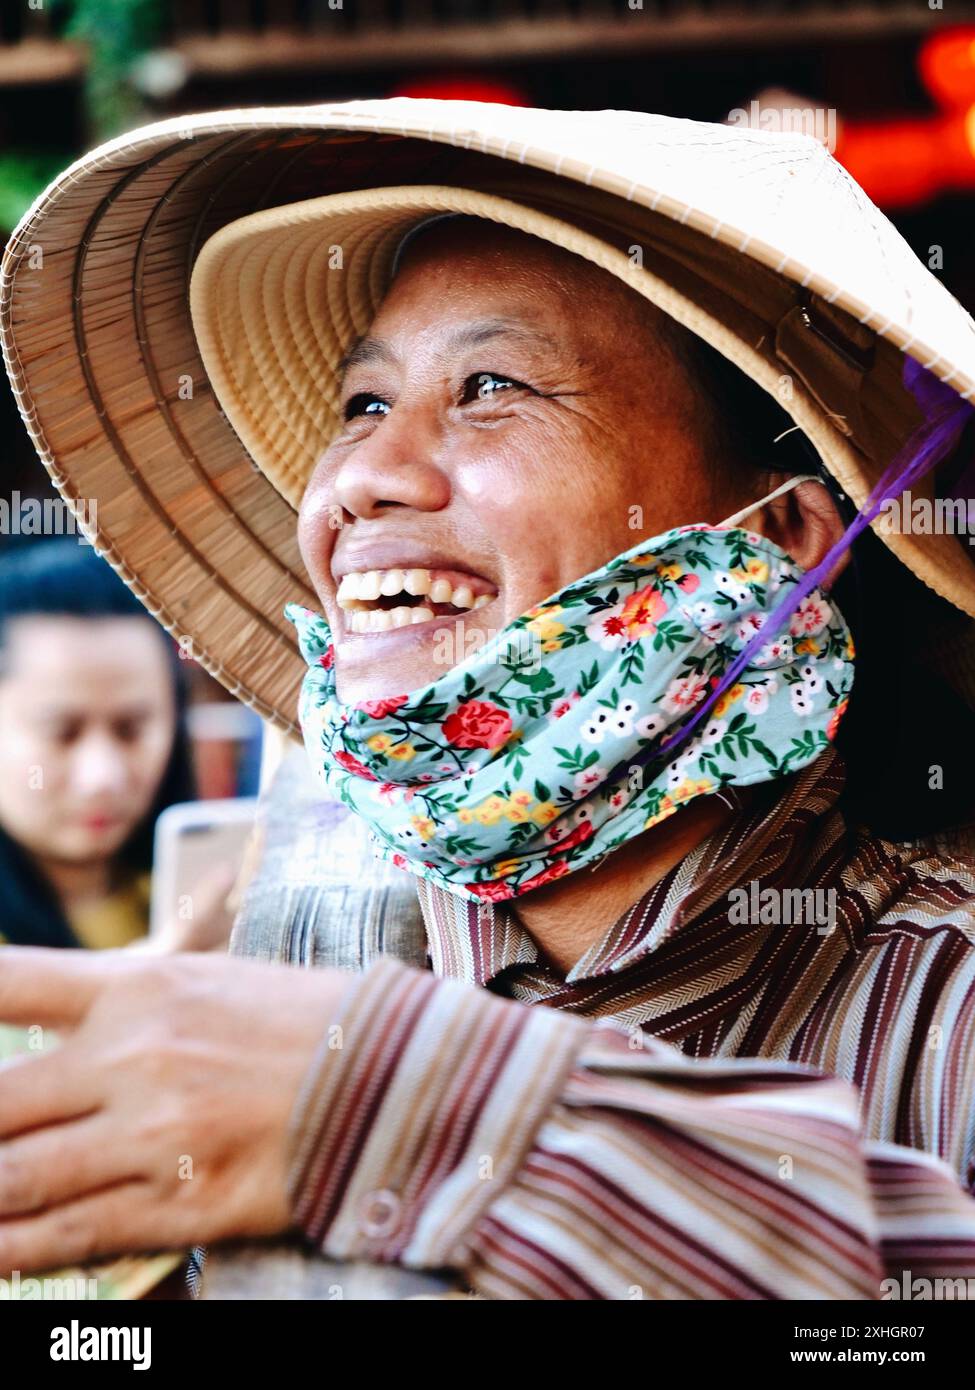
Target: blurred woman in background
(93, 747)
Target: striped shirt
(741, 1091)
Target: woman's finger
(44, 985)
(110, 1222)
(44, 1090)
(56, 1164)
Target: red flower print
(641, 611)
(557, 870)
(399, 860)
(378, 709)
(328, 660)
(834, 722)
(477, 724)
(353, 765)
(495, 892)
(563, 706)
(689, 583)
(579, 836)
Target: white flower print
(684, 693)
(779, 650)
(746, 629)
(713, 732)
(811, 616)
(566, 824)
(811, 679)
(736, 591)
(800, 699)
(595, 729)
(617, 722)
(621, 722)
(409, 835)
(607, 629)
(589, 777)
(756, 701)
(700, 613)
(650, 725)
(677, 770)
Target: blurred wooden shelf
(235, 52)
(41, 61)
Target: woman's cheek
(28, 790)
(148, 760)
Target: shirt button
(380, 1213)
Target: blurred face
(87, 721)
(512, 420)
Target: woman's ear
(805, 523)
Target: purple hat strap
(946, 415)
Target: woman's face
(87, 722)
(512, 421)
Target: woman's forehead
(477, 246)
(499, 273)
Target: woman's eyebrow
(367, 349)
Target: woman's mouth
(378, 600)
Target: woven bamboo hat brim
(173, 313)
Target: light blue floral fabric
(539, 753)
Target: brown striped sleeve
(543, 1156)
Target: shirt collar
(476, 941)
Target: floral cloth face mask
(554, 743)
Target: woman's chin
(374, 665)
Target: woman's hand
(161, 1118)
(208, 928)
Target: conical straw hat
(173, 314)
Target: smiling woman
(508, 420)
(493, 430)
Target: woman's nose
(98, 765)
(397, 465)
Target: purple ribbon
(946, 415)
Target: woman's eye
(482, 385)
(128, 730)
(364, 404)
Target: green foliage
(23, 175)
(116, 33)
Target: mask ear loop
(787, 486)
(946, 415)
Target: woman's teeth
(358, 593)
(382, 619)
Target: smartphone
(190, 839)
